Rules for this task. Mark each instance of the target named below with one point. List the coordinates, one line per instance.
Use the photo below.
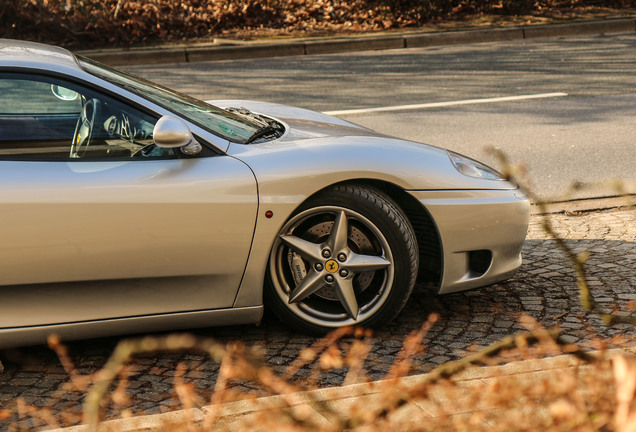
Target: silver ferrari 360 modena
(128, 207)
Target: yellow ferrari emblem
(79, 137)
(331, 266)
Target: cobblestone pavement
(544, 289)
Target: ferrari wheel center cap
(331, 266)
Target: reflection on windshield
(220, 122)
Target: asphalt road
(584, 136)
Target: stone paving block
(439, 359)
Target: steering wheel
(91, 111)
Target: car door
(122, 228)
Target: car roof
(36, 55)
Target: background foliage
(95, 23)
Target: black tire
(366, 279)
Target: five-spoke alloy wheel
(348, 256)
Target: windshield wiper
(266, 126)
(263, 131)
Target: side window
(43, 118)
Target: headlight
(471, 168)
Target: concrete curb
(585, 205)
(232, 50)
(234, 414)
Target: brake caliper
(297, 266)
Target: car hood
(301, 123)
(317, 144)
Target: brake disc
(319, 233)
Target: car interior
(41, 120)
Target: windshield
(220, 122)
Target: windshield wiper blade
(264, 130)
(265, 125)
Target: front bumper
(481, 233)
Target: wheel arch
(430, 248)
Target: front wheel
(348, 256)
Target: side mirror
(172, 132)
(63, 93)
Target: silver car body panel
(492, 220)
(175, 241)
(82, 221)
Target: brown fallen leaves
(103, 23)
